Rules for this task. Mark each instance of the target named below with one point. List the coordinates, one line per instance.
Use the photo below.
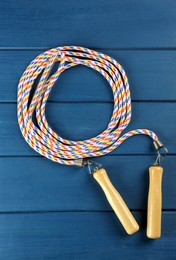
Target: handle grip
(154, 202)
(116, 202)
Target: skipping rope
(44, 140)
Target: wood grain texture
(88, 120)
(151, 76)
(100, 24)
(84, 236)
(38, 184)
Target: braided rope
(41, 137)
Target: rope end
(78, 162)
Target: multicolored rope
(41, 137)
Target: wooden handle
(154, 202)
(116, 202)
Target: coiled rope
(41, 137)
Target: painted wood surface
(80, 121)
(85, 235)
(107, 24)
(151, 76)
(36, 184)
(50, 211)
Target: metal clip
(161, 151)
(89, 163)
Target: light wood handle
(116, 202)
(154, 202)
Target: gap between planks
(91, 47)
(94, 102)
(117, 155)
(75, 211)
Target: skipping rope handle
(154, 202)
(117, 203)
(154, 208)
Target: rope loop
(41, 137)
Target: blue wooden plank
(151, 77)
(81, 236)
(37, 184)
(108, 24)
(80, 121)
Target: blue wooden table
(50, 211)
